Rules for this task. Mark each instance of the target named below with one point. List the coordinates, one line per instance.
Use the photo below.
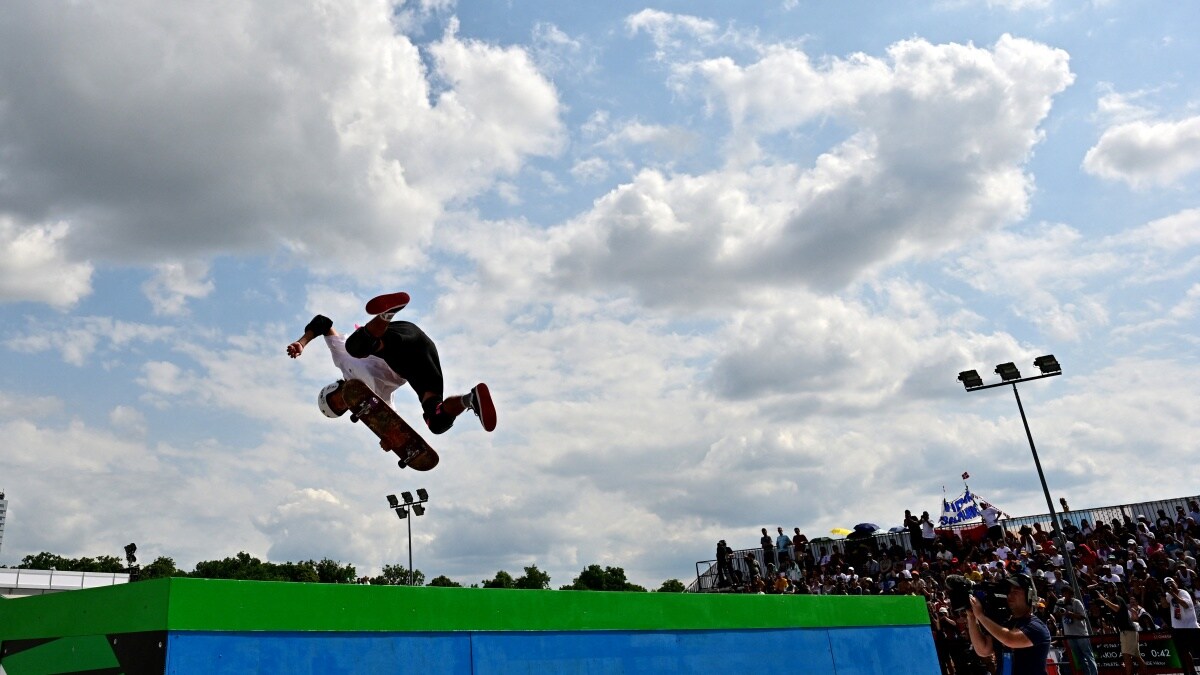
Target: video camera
(993, 596)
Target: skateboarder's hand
(294, 349)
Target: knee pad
(361, 344)
(438, 421)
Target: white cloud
(78, 339)
(672, 32)
(314, 519)
(953, 121)
(1146, 153)
(590, 170)
(174, 284)
(673, 141)
(127, 419)
(35, 267)
(252, 128)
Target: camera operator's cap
(1025, 583)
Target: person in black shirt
(1119, 609)
(1024, 639)
(768, 548)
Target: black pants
(412, 355)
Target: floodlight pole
(407, 511)
(1062, 535)
(410, 517)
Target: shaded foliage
(672, 586)
(595, 578)
(445, 582)
(397, 575)
(50, 561)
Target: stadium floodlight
(970, 379)
(418, 509)
(1047, 364)
(130, 549)
(1049, 367)
(1008, 371)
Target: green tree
(162, 566)
(47, 561)
(533, 579)
(331, 572)
(595, 578)
(301, 572)
(445, 582)
(503, 580)
(243, 566)
(397, 575)
(672, 586)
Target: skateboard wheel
(401, 464)
(353, 418)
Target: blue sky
(720, 266)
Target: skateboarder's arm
(320, 325)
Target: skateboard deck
(394, 433)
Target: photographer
(1184, 626)
(1076, 631)
(1024, 639)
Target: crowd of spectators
(1143, 567)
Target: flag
(960, 510)
(966, 475)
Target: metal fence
(707, 574)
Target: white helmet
(324, 404)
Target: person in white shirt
(1184, 627)
(402, 348)
(991, 518)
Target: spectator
(799, 543)
(1076, 631)
(724, 567)
(752, 566)
(913, 525)
(991, 518)
(1119, 612)
(1184, 627)
(784, 544)
(768, 547)
(927, 533)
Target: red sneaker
(386, 306)
(480, 402)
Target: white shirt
(1186, 609)
(989, 515)
(373, 371)
(1002, 552)
(926, 529)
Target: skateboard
(394, 433)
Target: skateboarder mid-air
(384, 354)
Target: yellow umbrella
(840, 530)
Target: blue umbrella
(866, 527)
(896, 529)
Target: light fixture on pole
(1008, 372)
(402, 511)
